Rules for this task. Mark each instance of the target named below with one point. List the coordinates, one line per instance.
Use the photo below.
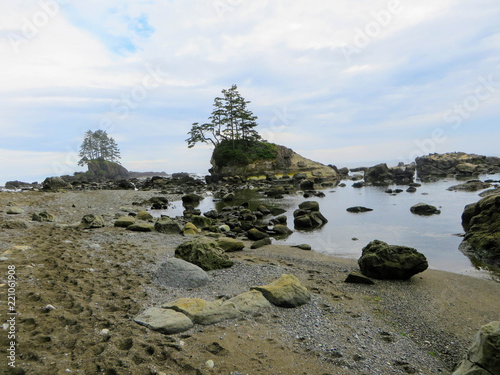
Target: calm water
(390, 221)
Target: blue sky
(341, 82)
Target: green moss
(243, 153)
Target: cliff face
(287, 162)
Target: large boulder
(481, 222)
(382, 261)
(483, 357)
(205, 253)
(55, 184)
(287, 291)
(178, 273)
(106, 170)
(164, 320)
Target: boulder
(379, 175)
(124, 221)
(308, 216)
(141, 227)
(164, 320)
(483, 357)
(358, 209)
(287, 291)
(14, 210)
(192, 198)
(144, 215)
(481, 222)
(382, 261)
(255, 234)
(424, 209)
(178, 273)
(43, 217)
(204, 312)
(261, 243)
(92, 222)
(203, 252)
(201, 221)
(309, 206)
(55, 184)
(250, 302)
(168, 226)
(190, 230)
(230, 245)
(281, 229)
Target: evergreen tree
(98, 146)
(231, 120)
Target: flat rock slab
(166, 321)
(287, 291)
(250, 302)
(205, 312)
(178, 273)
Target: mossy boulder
(124, 221)
(230, 245)
(144, 215)
(168, 226)
(141, 227)
(205, 253)
(287, 291)
(92, 222)
(392, 262)
(481, 222)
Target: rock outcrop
(481, 222)
(381, 175)
(382, 261)
(102, 169)
(458, 164)
(287, 162)
(483, 357)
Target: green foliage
(230, 121)
(98, 146)
(243, 152)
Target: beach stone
(261, 243)
(55, 183)
(92, 222)
(205, 312)
(303, 222)
(168, 226)
(43, 217)
(481, 222)
(287, 291)
(190, 229)
(309, 206)
(141, 227)
(304, 246)
(203, 252)
(358, 209)
(263, 209)
(230, 245)
(178, 273)
(144, 215)
(15, 211)
(224, 228)
(124, 221)
(191, 198)
(483, 357)
(424, 209)
(282, 229)
(255, 234)
(357, 278)
(201, 221)
(250, 302)
(15, 224)
(382, 261)
(164, 320)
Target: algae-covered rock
(141, 227)
(92, 222)
(144, 215)
(205, 253)
(168, 226)
(205, 312)
(287, 291)
(124, 221)
(230, 245)
(483, 357)
(190, 229)
(43, 217)
(481, 222)
(382, 261)
(424, 209)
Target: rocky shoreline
(81, 289)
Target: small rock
(424, 209)
(358, 209)
(141, 227)
(303, 246)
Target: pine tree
(98, 146)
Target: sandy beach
(77, 292)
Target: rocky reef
(457, 164)
(286, 162)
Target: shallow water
(391, 221)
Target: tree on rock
(231, 121)
(98, 146)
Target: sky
(341, 82)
